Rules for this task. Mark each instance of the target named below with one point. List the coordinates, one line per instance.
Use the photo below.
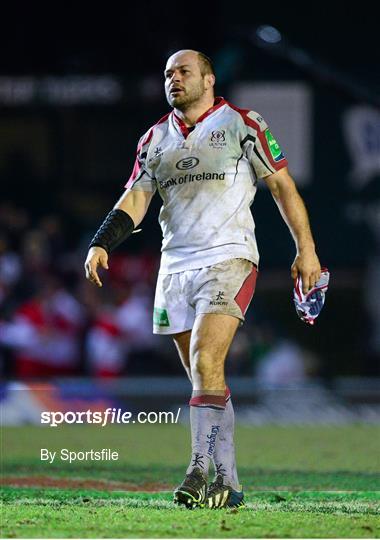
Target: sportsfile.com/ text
(109, 416)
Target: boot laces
(194, 478)
(216, 485)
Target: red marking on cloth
(227, 393)
(181, 124)
(145, 140)
(135, 172)
(208, 400)
(297, 288)
(314, 290)
(137, 167)
(218, 102)
(261, 135)
(246, 292)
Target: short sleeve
(262, 149)
(141, 179)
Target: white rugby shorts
(226, 287)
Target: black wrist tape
(117, 226)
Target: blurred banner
(71, 90)
(147, 400)
(287, 109)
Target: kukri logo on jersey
(219, 300)
(158, 152)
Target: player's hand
(307, 265)
(96, 256)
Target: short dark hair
(205, 64)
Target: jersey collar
(218, 102)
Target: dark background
(136, 39)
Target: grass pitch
(299, 482)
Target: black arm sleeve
(117, 226)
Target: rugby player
(205, 159)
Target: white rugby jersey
(207, 179)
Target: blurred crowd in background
(55, 323)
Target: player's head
(189, 77)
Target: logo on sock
(212, 439)
(198, 460)
(220, 469)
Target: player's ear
(209, 80)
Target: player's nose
(176, 77)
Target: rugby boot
(193, 490)
(221, 496)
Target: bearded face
(184, 82)
(182, 96)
